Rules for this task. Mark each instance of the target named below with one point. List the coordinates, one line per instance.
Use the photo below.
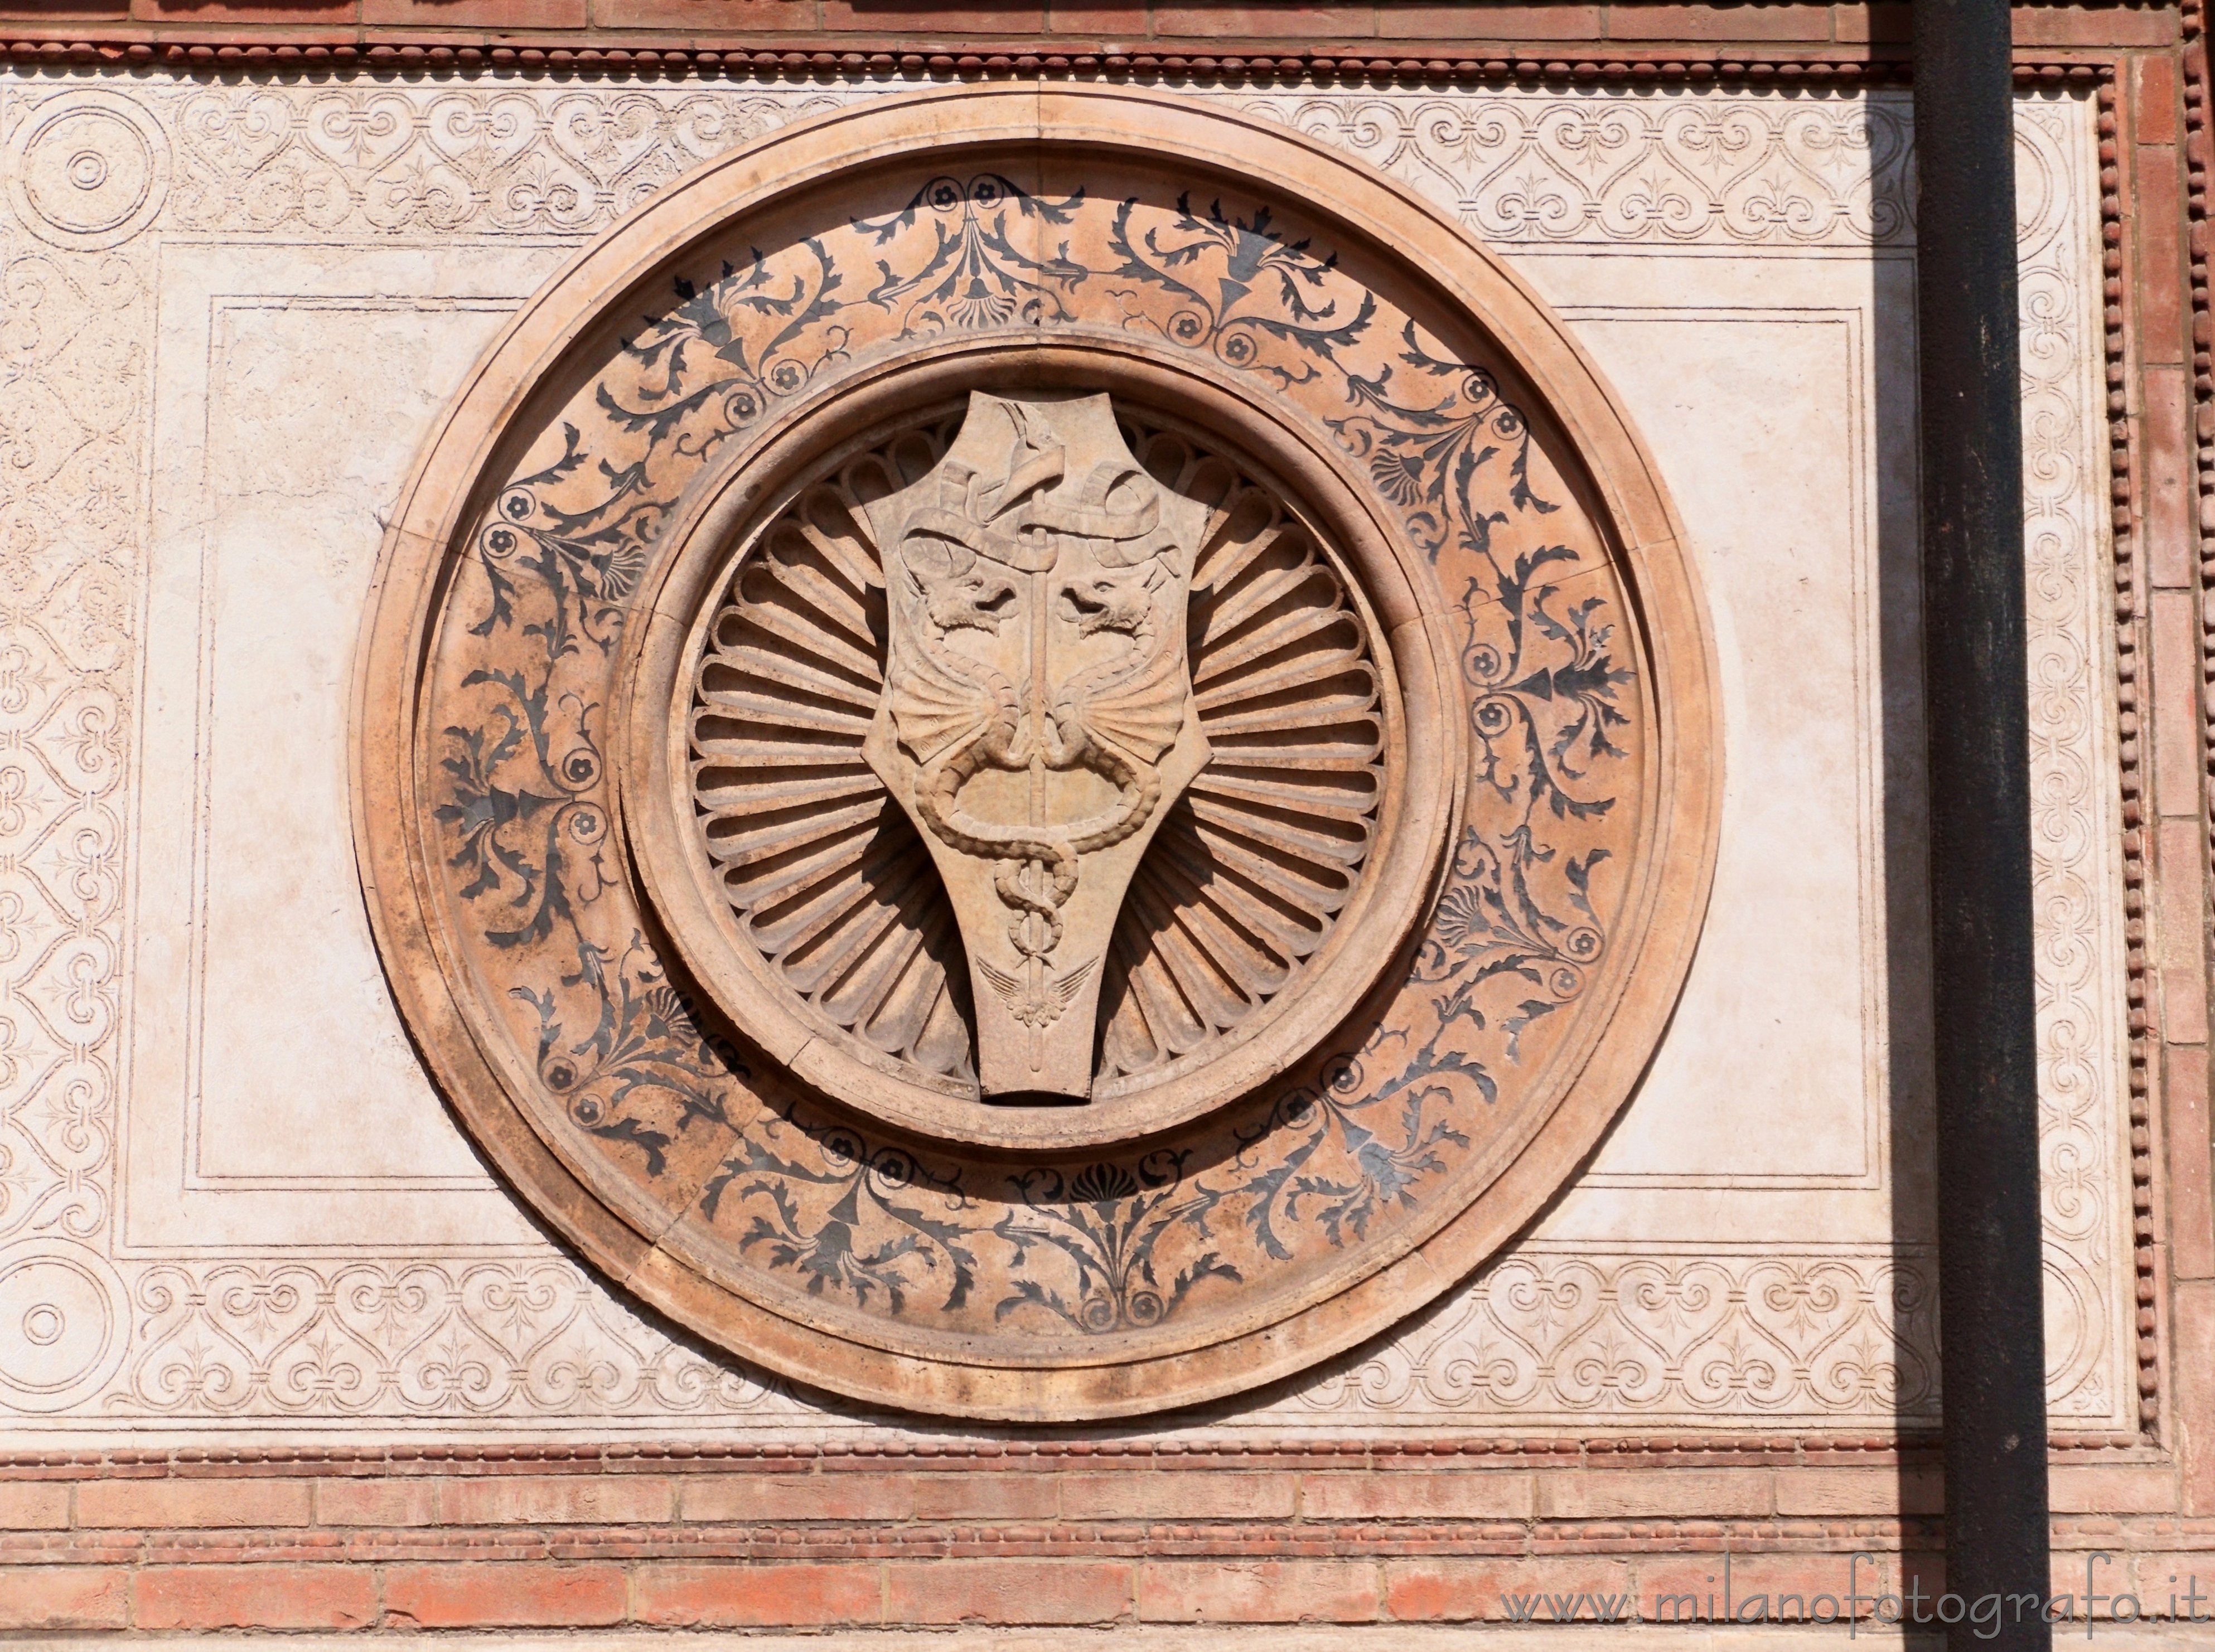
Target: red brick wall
(1022, 1534)
(1421, 29)
(1206, 26)
(1058, 1534)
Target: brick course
(376, 1502)
(1007, 1592)
(192, 1503)
(1756, 29)
(1258, 1592)
(1451, 1589)
(481, 1594)
(255, 1597)
(1417, 1496)
(562, 1500)
(581, 1541)
(771, 1596)
(65, 1597)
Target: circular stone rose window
(1019, 771)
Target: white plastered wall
(220, 1167)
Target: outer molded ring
(642, 1248)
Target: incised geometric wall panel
(194, 508)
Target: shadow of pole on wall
(1977, 726)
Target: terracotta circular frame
(1274, 1333)
(1423, 740)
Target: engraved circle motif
(89, 170)
(61, 1324)
(1253, 864)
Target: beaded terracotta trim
(2150, 1298)
(1656, 67)
(1011, 1456)
(2203, 370)
(1774, 1451)
(2130, 652)
(1104, 1539)
(1201, 1535)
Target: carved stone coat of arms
(1037, 718)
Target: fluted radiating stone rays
(832, 882)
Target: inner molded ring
(718, 530)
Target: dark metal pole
(1992, 1323)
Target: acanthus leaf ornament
(1038, 717)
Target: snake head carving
(976, 600)
(1098, 603)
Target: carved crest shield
(1037, 718)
